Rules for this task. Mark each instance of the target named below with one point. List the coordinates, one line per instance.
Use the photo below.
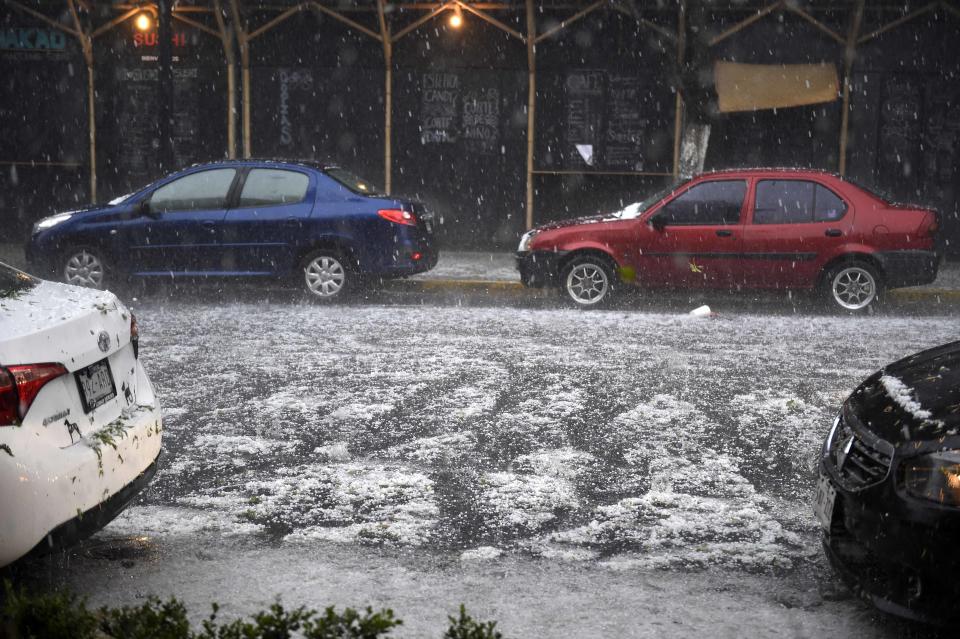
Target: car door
(178, 232)
(792, 224)
(261, 233)
(693, 240)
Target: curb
(937, 295)
(510, 289)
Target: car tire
(852, 287)
(326, 276)
(84, 266)
(588, 281)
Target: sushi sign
(32, 39)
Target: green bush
(464, 627)
(60, 615)
(54, 615)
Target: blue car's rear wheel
(326, 276)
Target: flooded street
(562, 472)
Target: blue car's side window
(272, 187)
(201, 191)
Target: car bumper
(55, 496)
(538, 268)
(894, 554)
(909, 268)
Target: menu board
(481, 119)
(601, 120)
(440, 98)
(584, 116)
(135, 113)
(626, 123)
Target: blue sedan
(311, 222)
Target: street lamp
(456, 20)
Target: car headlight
(53, 220)
(526, 239)
(934, 477)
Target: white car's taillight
(19, 386)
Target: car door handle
(833, 233)
(292, 221)
(209, 224)
(724, 233)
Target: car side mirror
(144, 209)
(657, 223)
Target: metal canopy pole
(86, 45)
(226, 38)
(243, 38)
(681, 58)
(387, 99)
(165, 83)
(531, 104)
(848, 56)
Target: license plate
(96, 385)
(823, 502)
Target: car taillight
(135, 335)
(19, 386)
(398, 216)
(934, 224)
(8, 399)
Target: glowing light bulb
(143, 22)
(456, 20)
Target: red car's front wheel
(588, 282)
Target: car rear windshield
(13, 281)
(352, 182)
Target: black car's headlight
(935, 477)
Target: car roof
(774, 170)
(311, 164)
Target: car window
(827, 206)
(352, 182)
(795, 202)
(194, 192)
(717, 202)
(13, 281)
(270, 187)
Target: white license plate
(96, 385)
(823, 502)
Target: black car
(888, 496)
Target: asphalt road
(618, 473)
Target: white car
(79, 420)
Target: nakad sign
(32, 39)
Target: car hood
(579, 221)
(914, 399)
(55, 322)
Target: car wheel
(588, 282)
(83, 266)
(326, 276)
(852, 286)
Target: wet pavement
(615, 473)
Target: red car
(760, 229)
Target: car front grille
(859, 463)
